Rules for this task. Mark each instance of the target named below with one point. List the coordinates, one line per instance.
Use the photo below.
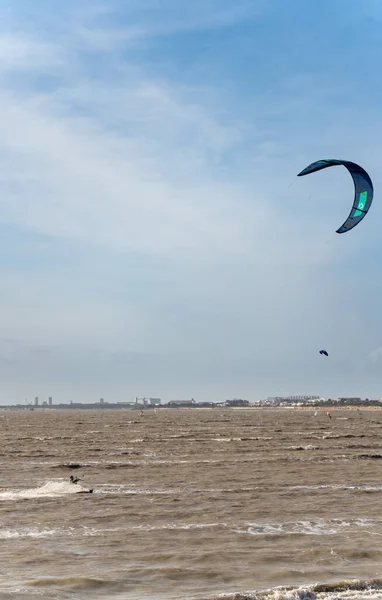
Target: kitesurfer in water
(76, 480)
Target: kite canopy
(324, 352)
(362, 184)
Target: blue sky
(154, 237)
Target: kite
(324, 352)
(362, 184)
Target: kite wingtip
(305, 171)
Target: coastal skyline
(154, 234)
(144, 403)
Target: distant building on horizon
(353, 400)
(146, 402)
(237, 402)
(180, 403)
(301, 398)
(155, 401)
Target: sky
(154, 237)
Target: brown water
(190, 504)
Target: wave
(51, 489)
(308, 527)
(352, 487)
(9, 534)
(353, 589)
(184, 526)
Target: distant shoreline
(91, 407)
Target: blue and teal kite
(363, 189)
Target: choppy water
(200, 504)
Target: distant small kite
(362, 184)
(324, 352)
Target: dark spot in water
(370, 456)
(68, 466)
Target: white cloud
(18, 52)
(147, 189)
(76, 177)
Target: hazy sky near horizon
(154, 237)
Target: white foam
(8, 534)
(347, 590)
(50, 490)
(225, 439)
(122, 489)
(180, 526)
(35, 532)
(308, 527)
(360, 487)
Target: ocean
(201, 504)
